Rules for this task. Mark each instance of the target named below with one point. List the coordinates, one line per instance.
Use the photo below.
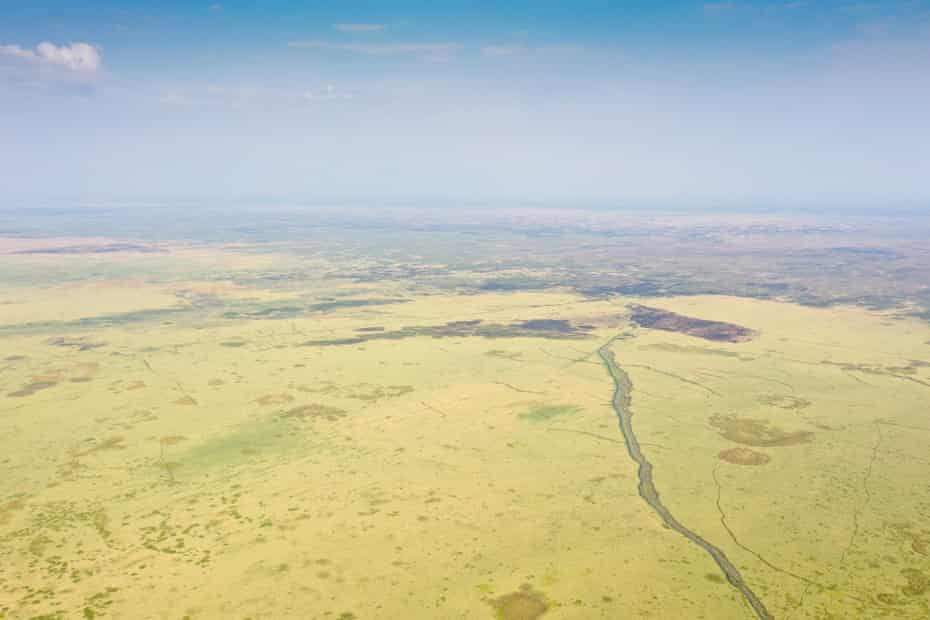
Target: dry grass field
(191, 432)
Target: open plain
(244, 429)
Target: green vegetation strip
(647, 488)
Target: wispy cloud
(497, 51)
(175, 99)
(519, 50)
(241, 96)
(77, 57)
(429, 50)
(358, 28)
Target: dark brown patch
(655, 318)
(106, 248)
(110, 443)
(783, 401)
(533, 328)
(917, 583)
(551, 325)
(759, 433)
(216, 382)
(744, 456)
(524, 604)
(136, 385)
(368, 392)
(31, 388)
(7, 509)
(81, 344)
(185, 400)
(315, 411)
(274, 399)
(373, 328)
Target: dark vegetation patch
(335, 342)
(743, 456)
(524, 604)
(906, 371)
(102, 320)
(274, 312)
(373, 328)
(108, 248)
(655, 318)
(517, 283)
(233, 344)
(464, 324)
(117, 442)
(274, 399)
(758, 433)
(291, 311)
(339, 304)
(377, 392)
(534, 328)
(918, 583)
(551, 325)
(31, 388)
(917, 537)
(76, 373)
(14, 358)
(504, 355)
(542, 412)
(315, 411)
(784, 401)
(81, 344)
(241, 444)
(668, 347)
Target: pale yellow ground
(158, 477)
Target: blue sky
(790, 102)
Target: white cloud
(433, 50)
(358, 28)
(77, 57)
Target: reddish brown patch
(655, 318)
(758, 433)
(524, 604)
(275, 399)
(744, 456)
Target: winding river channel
(647, 488)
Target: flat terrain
(234, 429)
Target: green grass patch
(544, 413)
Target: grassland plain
(202, 433)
